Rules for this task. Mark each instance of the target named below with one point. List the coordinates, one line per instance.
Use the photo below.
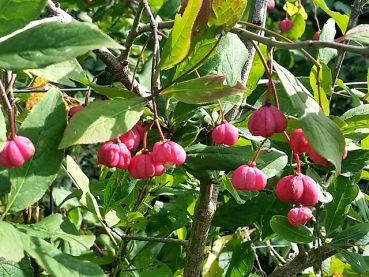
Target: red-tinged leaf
(202, 90)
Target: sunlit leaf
(359, 33)
(295, 8)
(11, 248)
(341, 20)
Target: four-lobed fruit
(248, 177)
(114, 154)
(168, 153)
(143, 166)
(225, 133)
(16, 151)
(316, 158)
(270, 5)
(131, 139)
(285, 25)
(299, 215)
(298, 189)
(298, 142)
(266, 121)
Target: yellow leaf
(39, 84)
(293, 9)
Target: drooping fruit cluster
(116, 153)
(16, 152)
(285, 25)
(299, 145)
(299, 215)
(225, 133)
(248, 177)
(266, 121)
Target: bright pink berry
(168, 153)
(248, 177)
(74, 110)
(316, 35)
(114, 154)
(143, 166)
(285, 25)
(266, 121)
(298, 189)
(16, 151)
(316, 158)
(270, 5)
(140, 129)
(298, 142)
(299, 215)
(225, 133)
(87, 1)
(131, 139)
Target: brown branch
(303, 261)
(204, 212)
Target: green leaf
(321, 132)
(242, 260)
(285, 230)
(101, 121)
(226, 13)
(229, 60)
(118, 189)
(202, 90)
(60, 72)
(201, 157)
(328, 33)
(357, 261)
(53, 38)
(11, 248)
(186, 135)
(341, 20)
(356, 118)
(81, 181)
(21, 269)
(325, 85)
(157, 269)
(344, 191)
(17, 14)
(56, 262)
(355, 235)
(227, 184)
(355, 100)
(359, 33)
(2, 129)
(230, 215)
(178, 43)
(355, 161)
(44, 127)
(58, 226)
(257, 70)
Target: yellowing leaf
(39, 84)
(293, 9)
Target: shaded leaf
(178, 43)
(201, 157)
(2, 129)
(357, 261)
(53, 38)
(11, 248)
(186, 135)
(56, 262)
(118, 189)
(44, 127)
(285, 230)
(101, 121)
(202, 90)
(21, 269)
(321, 132)
(354, 235)
(328, 33)
(17, 14)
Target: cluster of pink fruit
(16, 151)
(297, 189)
(116, 153)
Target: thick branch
(155, 239)
(301, 262)
(204, 212)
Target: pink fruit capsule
(143, 166)
(299, 215)
(248, 177)
(16, 151)
(270, 5)
(131, 139)
(298, 142)
(114, 154)
(285, 25)
(168, 153)
(225, 133)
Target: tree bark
(204, 212)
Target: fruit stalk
(10, 111)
